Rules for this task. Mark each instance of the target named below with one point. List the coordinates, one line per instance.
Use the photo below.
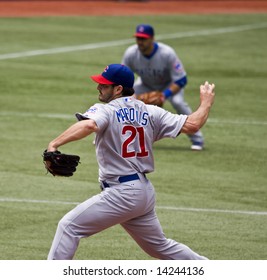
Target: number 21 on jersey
(135, 134)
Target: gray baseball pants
(131, 204)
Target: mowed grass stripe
(225, 211)
(92, 46)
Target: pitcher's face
(107, 92)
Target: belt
(122, 179)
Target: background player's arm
(198, 118)
(75, 132)
(127, 58)
(171, 90)
(178, 75)
(179, 79)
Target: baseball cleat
(197, 146)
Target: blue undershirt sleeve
(182, 82)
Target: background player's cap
(117, 74)
(144, 31)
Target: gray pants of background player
(178, 103)
(131, 204)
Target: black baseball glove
(59, 164)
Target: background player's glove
(59, 164)
(153, 97)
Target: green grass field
(214, 201)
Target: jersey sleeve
(176, 67)
(128, 56)
(97, 113)
(125, 58)
(167, 124)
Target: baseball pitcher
(125, 129)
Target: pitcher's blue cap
(117, 74)
(144, 31)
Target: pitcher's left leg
(147, 232)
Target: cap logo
(106, 69)
(141, 29)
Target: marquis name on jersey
(131, 114)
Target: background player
(159, 68)
(125, 131)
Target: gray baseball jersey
(156, 72)
(159, 70)
(128, 128)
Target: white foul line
(92, 46)
(65, 49)
(212, 210)
(185, 209)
